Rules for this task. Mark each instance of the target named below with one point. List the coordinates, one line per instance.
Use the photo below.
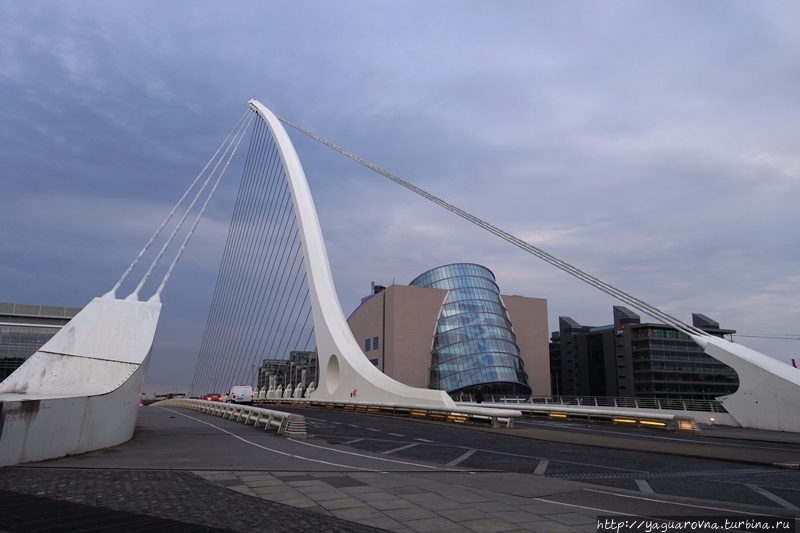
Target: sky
(655, 145)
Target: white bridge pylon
(768, 396)
(345, 374)
(81, 390)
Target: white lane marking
(352, 441)
(372, 429)
(315, 446)
(653, 437)
(304, 443)
(777, 499)
(396, 435)
(387, 452)
(644, 486)
(424, 440)
(708, 507)
(270, 449)
(457, 460)
(541, 467)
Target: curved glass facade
(474, 345)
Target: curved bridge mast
(345, 373)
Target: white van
(241, 394)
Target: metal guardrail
(289, 425)
(491, 416)
(495, 415)
(628, 418)
(672, 404)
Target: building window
(366, 345)
(374, 362)
(374, 343)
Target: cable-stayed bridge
(274, 294)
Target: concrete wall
(411, 315)
(529, 320)
(80, 392)
(404, 319)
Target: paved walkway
(286, 502)
(419, 502)
(155, 483)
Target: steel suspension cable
(634, 302)
(204, 372)
(135, 294)
(157, 295)
(113, 291)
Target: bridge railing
(477, 415)
(671, 404)
(289, 425)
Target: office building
(633, 359)
(300, 367)
(25, 328)
(451, 329)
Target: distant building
(300, 367)
(25, 328)
(629, 358)
(452, 330)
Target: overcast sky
(655, 145)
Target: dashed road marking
(424, 440)
(387, 452)
(777, 499)
(644, 486)
(457, 460)
(541, 467)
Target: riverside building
(450, 329)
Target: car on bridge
(213, 397)
(241, 394)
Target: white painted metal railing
(617, 417)
(672, 404)
(489, 415)
(289, 425)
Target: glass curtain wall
(474, 345)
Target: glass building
(26, 328)
(474, 345)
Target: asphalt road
(586, 469)
(654, 462)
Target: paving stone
(176, 495)
(487, 525)
(516, 516)
(547, 526)
(442, 504)
(357, 514)
(571, 519)
(426, 525)
(388, 504)
(343, 503)
(461, 514)
(412, 513)
(493, 507)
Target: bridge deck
(179, 468)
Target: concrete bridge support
(81, 391)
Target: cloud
(652, 145)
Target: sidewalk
(176, 475)
(289, 502)
(420, 502)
